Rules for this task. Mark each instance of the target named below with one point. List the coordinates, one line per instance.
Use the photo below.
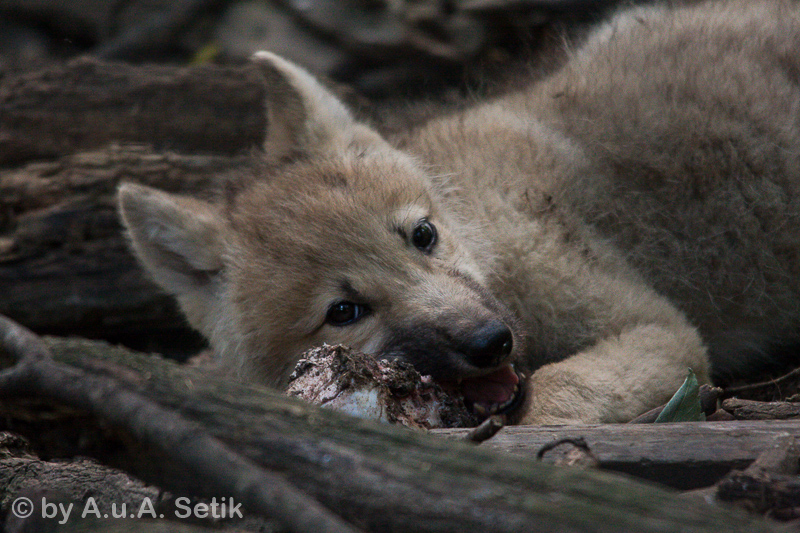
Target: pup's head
(338, 240)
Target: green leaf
(684, 406)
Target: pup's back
(601, 228)
(675, 134)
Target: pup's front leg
(618, 378)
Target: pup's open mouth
(499, 392)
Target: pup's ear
(303, 116)
(180, 242)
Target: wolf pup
(631, 216)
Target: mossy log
(196, 433)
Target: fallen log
(202, 434)
(752, 410)
(684, 455)
(65, 267)
(768, 486)
(87, 104)
(64, 483)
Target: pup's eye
(345, 313)
(424, 235)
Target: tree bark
(65, 267)
(752, 410)
(87, 104)
(682, 455)
(191, 432)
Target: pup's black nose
(490, 345)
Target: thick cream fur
(630, 210)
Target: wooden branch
(69, 482)
(770, 485)
(199, 453)
(751, 410)
(65, 267)
(775, 383)
(773, 493)
(163, 423)
(682, 455)
(87, 104)
(485, 430)
(783, 457)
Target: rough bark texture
(65, 267)
(751, 410)
(682, 455)
(133, 412)
(86, 104)
(65, 483)
(77, 491)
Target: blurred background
(379, 47)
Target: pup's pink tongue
(495, 388)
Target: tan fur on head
(601, 227)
